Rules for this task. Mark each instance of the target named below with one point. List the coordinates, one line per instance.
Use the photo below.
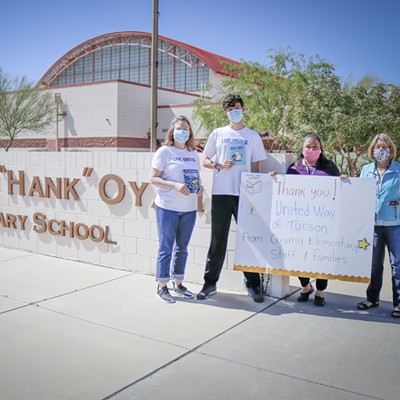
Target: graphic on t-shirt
(192, 181)
(237, 152)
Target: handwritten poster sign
(306, 226)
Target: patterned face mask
(382, 155)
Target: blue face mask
(235, 115)
(181, 135)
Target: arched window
(127, 56)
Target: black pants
(222, 209)
(321, 284)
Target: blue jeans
(174, 231)
(389, 236)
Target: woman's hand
(343, 177)
(182, 188)
(200, 192)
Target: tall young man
(230, 150)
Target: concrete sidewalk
(70, 330)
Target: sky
(358, 37)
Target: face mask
(382, 155)
(235, 115)
(181, 135)
(311, 155)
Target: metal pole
(57, 127)
(154, 76)
(57, 97)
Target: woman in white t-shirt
(175, 171)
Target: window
(132, 62)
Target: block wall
(69, 220)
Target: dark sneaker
(303, 297)
(182, 291)
(255, 294)
(206, 292)
(319, 301)
(164, 295)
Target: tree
(294, 94)
(348, 116)
(208, 111)
(269, 92)
(22, 108)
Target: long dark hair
(322, 160)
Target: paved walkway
(77, 331)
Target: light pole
(57, 99)
(154, 76)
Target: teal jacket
(387, 211)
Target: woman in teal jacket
(386, 172)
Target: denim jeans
(174, 231)
(389, 236)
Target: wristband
(214, 165)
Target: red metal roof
(211, 60)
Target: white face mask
(382, 155)
(235, 115)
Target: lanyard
(379, 181)
(313, 170)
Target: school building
(103, 95)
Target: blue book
(237, 152)
(192, 181)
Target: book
(192, 181)
(237, 152)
